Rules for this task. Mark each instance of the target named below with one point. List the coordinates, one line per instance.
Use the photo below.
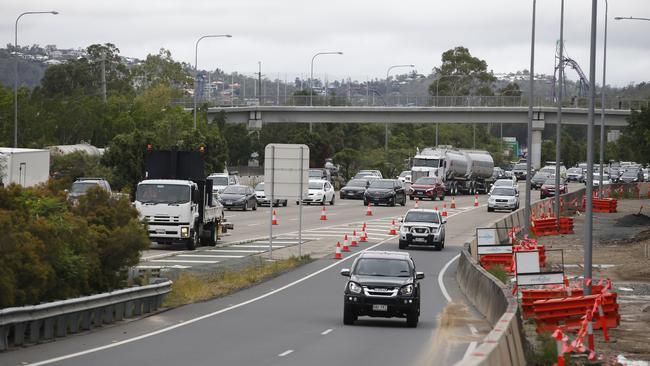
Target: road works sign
(286, 171)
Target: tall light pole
(16, 69)
(558, 126)
(602, 108)
(311, 78)
(589, 220)
(196, 54)
(530, 123)
(386, 93)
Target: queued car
(382, 284)
(81, 186)
(354, 189)
(503, 198)
(385, 191)
(405, 176)
(538, 179)
(366, 175)
(238, 196)
(371, 172)
(508, 183)
(320, 191)
(320, 174)
(427, 187)
(575, 175)
(519, 171)
(548, 188)
(222, 180)
(596, 180)
(631, 176)
(498, 173)
(422, 227)
(260, 196)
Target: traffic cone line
(323, 216)
(346, 248)
(392, 231)
(354, 239)
(364, 235)
(453, 202)
(476, 200)
(369, 210)
(444, 209)
(417, 203)
(435, 208)
(337, 253)
(274, 220)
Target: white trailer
(26, 167)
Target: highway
(296, 318)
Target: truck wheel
(348, 315)
(193, 241)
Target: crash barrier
(506, 260)
(606, 205)
(33, 324)
(569, 311)
(529, 296)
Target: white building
(27, 167)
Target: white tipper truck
(463, 171)
(176, 201)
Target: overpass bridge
(255, 116)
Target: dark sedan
(238, 196)
(354, 189)
(548, 188)
(538, 179)
(631, 176)
(386, 191)
(427, 187)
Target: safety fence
(44, 322)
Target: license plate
(229, 202)
(420, 240)
(160, 231)
(380, 308)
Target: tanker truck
(462, 171)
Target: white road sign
(286, 169)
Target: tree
(461, 74)
(161, 69)
(510, 90)
(636, 136)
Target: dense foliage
(50, 249)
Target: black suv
(382, 284)
(388, 191)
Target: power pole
(104, 77)
(259, 82)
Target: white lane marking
(168, 254)
(194, 320)
(294, 219)
(234, 251)
(210, 256)
(470, 349)
(230, 216)
(254, 224)
(259, 246)
(326, 332)
(183, 261)
(286, 353)
(440, 276)
(161, 267)
(473, 329)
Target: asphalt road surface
(294, 319)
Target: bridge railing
(411, 100)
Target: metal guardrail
(32, 324)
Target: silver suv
(422, 227)
(82, 185)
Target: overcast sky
(285, 34)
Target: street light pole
(530, 123)
(558, 127)
(386, 93)
(602, 108)
(196, 54)
(16, 69)
(311, 78)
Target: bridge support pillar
(536, 144)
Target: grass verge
(500, 273)
(190, 288)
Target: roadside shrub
(50, 250)
(500, 273)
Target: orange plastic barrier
(606, 205)
(569, 311)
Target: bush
(51, 250)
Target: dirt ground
(621, 250)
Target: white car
(222, 180)
(507, 183)
(422, 227)
(405, 176)
(320, 191)
(596, 181)
(503, 198)
(260, 196)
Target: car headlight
(406, 290)
(491, 200)
(512, 200)
(354, 287)
(185, 232)
(405, 229)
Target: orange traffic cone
(417, 203)
(476, 200)
(453, 202)
(337, 253)
(369, 210)
(435, 208)
(323, 217)
(364, 236)
(346, 248)
(274, 221)
(444, 209)
(392, 231)
(354, 239)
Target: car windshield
(519, 167)
(405, 173)
(82, 187)
(162, 193)
(597, 176)
(503, 192)
(234, 190)
(259, 186)
(541, 175)
(382, 267)
(316, 185)
(315, 173)
(357, 183)
(382, 184)
(430, 163)
(551, 182)
(501, 183)
(422, 216)
(426, 181)
(630, 173)
(219, 181)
